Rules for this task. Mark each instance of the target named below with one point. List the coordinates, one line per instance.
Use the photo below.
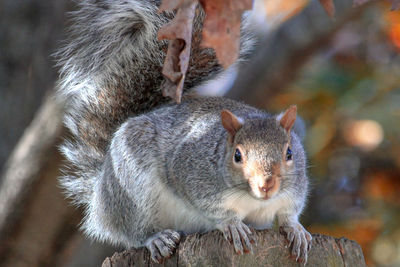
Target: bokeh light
(365, 134)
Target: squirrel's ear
(287, 119)
(230, 122)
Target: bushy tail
(110, 68)
(110, 44)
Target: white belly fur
(259, 214)
(178, 215)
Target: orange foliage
(382, 185)
(395, 35)
(393, 20)
(284, 10)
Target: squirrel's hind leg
(163, 244)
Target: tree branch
(276, 63)
(211, 249)
(27, 159)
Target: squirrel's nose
(268, 185)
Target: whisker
(239, 188)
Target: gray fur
(142, 177)
(110, 69)
(172, 169)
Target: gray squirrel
(145, 177)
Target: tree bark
(29, 156)
(211, 249)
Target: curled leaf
(179, 31)
(221, 30)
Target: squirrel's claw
(227, 234)
(299, 241)
(239, 234)
(162, 245)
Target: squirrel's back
(110, 69)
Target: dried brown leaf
(179, 32)
(221, 29)
(329, 7)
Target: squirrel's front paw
(299, 240)
(163, 244)
(238, 233)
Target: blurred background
(347, 90)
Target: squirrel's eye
(238, 156)
(289, 154)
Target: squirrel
(147, 170)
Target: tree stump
(212, 249)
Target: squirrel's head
(259, 151)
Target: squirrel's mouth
(266, 197)
(266, 188)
